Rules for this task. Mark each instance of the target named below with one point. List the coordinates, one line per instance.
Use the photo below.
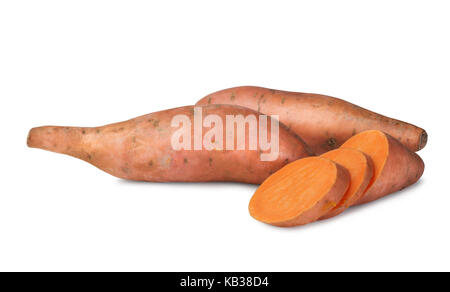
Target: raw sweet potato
(141, 148)
(360, 167)
(323, 122)
(300, 193)
(395, 167)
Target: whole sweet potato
(323, 122)
(142, 148)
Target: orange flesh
(375, 145)
(293, 190)
(356, 163)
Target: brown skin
(140, 149)
(395, 166)
(300, 193)
(323, 122)
(361, 170)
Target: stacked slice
(368, 166)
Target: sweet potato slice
(395, 167)
(300, 193)
(360, 167)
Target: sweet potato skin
(140, 149)
(401, 169)
(323, 122)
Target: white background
(89, 63)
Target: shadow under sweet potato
(178, 185)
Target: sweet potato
(323, 122)
(360, 167)
(395, 166)
(140, 148)
(300, 193)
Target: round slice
(360, 167)
(300, 193)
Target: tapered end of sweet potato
(46, 138)
(423, 140)
(56, 139)
(35, 138)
